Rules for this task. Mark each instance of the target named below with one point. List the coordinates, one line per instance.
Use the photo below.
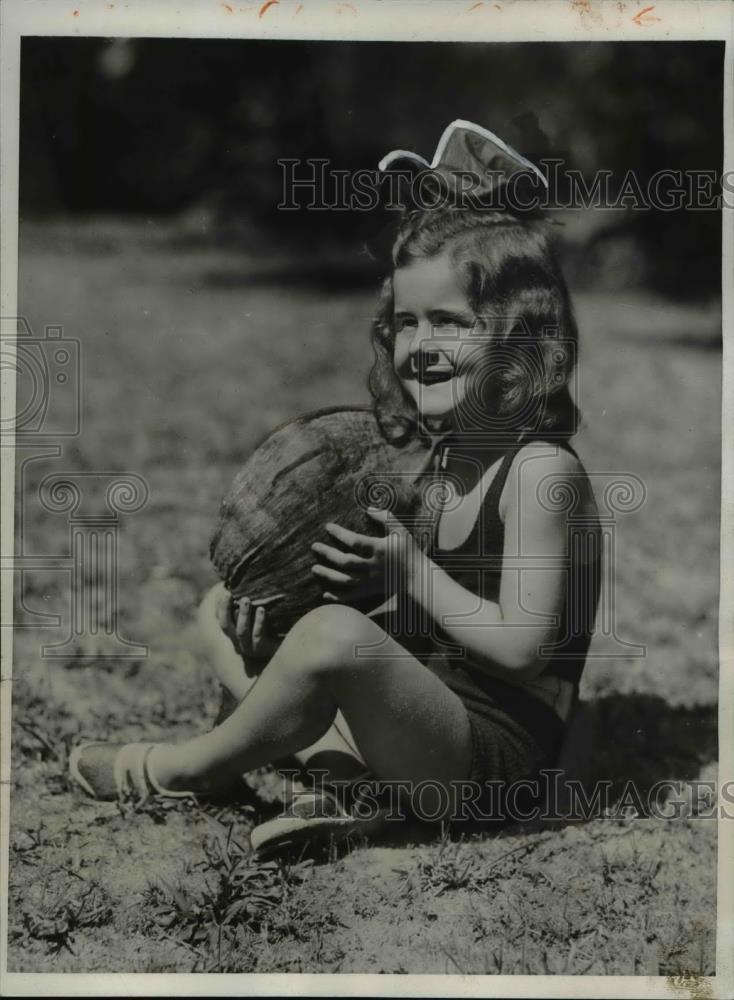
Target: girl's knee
(329, 638)
(207, 615)
(335, 625)
(207, 610)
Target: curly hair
(513, 281)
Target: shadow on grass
(641, 738)
(617, 742)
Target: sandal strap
(156, 785)
(129, 769)
(74, 773)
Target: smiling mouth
(428, 371)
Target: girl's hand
(246, 627)
(362, 565)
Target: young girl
(475, 343)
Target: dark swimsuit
(514, 733)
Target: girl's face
(433, 322)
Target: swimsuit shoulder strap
(492, 498)
(493, 525)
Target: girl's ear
(513, 329)
(507, 328)
(518, 329)
(482, 325)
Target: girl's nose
(418, 344)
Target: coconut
(329, 465)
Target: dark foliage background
(158, 126)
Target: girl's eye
(443, 320)
(404, 323)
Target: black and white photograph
(364, 582)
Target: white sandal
(109, 771)
(313, 819)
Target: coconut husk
(325, 466)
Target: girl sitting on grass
(475, 343)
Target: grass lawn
(190, 354)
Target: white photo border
(355, 20)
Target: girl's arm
(504, 638)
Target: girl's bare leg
(407, 724)
(335, 751)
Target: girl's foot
(313, 820)
(110, 771)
